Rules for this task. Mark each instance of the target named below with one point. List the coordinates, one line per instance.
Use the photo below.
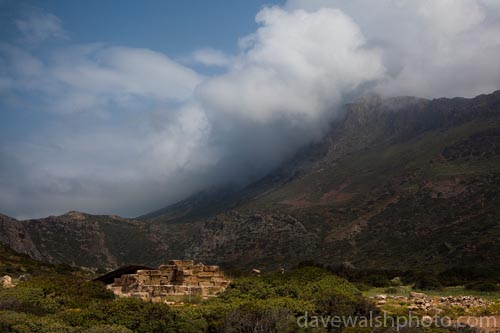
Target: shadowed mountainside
(397, 183)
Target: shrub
(362, 286)
(21, 322)
(271, 301)
(108, 329)
(392, 290)
(396, 282)
(463, 275)
(192, 299)
(50, 295)
(482, 286)
(260, 317)
(428, 282)
(376, 280)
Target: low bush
(482, 286)
(270, 303)
(392, 290)
(428, 282)
(273, 301)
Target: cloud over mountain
(129, 130)
(430, 48)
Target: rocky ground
(433, 304)
(473, 311)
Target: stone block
(205, 283)
(166, 268)
(197, 269)
(185, 272)
(218, 279)
(180, 277)
(211, 268)
(196, 290)
(206, 274)
(180, 289)
(142, 295)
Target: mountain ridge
(361, 197)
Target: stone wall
(178, 278)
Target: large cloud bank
(130, 130)
(430, 48)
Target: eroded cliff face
(17, 237)
(80, 239)
(396, 184)
(247, 240)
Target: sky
(123, 107)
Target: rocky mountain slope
(397, 183)
(79, 239)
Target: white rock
(7, 282)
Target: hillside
(397, 183)
(78, 239)
(15, 264)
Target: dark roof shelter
(109, 277)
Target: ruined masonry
(178, 278)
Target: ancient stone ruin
(173, 281)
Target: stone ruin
(177, 279)
(422, 302)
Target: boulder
(7, 282)
(25, 277)
(416, 295)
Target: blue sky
(122, 107)
(176, 28)
(172, 27)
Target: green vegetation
(428, 282)
(483, 286)
(267, 303)
(14, 263)
(471, 281)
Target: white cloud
(133, 129)
(38, 26)
(18, 63)
(297, 64)
(103, 150)
(211, 57)
(142, 123)
(96, 77)
(431, 48)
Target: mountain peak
(75, 215)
